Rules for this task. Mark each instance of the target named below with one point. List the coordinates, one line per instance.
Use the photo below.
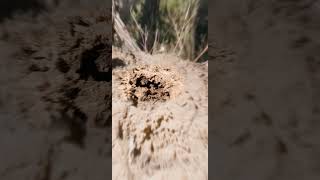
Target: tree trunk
(149, 20)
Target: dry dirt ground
(159, 117)
(265, 100)
(55, 98)
(264, 73)
(55, 103)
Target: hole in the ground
(152, 84)
(91, 62)
(146, 88)
(149, 83)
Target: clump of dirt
(150, 83)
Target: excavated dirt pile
(159, 118)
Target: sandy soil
(55, 94)
(159, 118)
(264, 84)
(55, 101)
(264, 118)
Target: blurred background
(9, 8)
(158, 26)
(167, 26)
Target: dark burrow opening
(95, 63)
(149, 83)
(145, 88)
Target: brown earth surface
(159, 118)
(55, 94)
(55, 100)
(264, 89)
(264, 117)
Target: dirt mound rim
(151, 83)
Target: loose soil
(264, 89)
(159, 118)
(55, 94)
(56, 99)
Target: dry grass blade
(201, 54)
